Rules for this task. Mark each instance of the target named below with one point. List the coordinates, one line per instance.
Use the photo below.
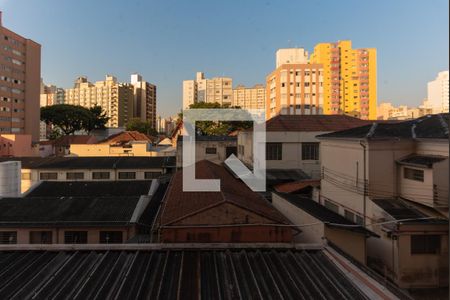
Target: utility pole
(364, 182)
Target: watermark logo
(255, 179)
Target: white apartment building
(291, 56)
(438, 93)
(217, 89)
(250, 97)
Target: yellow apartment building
(350, 79)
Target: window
(26, 176)
(331, 206)
(127, 175)
(74, 175)
(100, 175)
(211, 150)
(48, 176)
(274, 151)
(111, 237)
(310, 151)
(151, 175)
(75, 237)
(413, 174)
(40, 237)
(349, 215)
(359, 220)
(425, 244)
(8, 237)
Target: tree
(137, 124)
(97, 120)
(68, 118)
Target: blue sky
(167, 41)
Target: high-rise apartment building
(116, 99)
(350, 79)
(291, 56)
(20, 74)
(250, 97)
(50, 95)
(294, 89)
(217, 89)
(438, 93)
(144, 100)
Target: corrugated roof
(318, 123)
(431, 126)
(91, 188)
(174, 274)
(53, 211)
(102, 162)
(67, 140)
(179, 204)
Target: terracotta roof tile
(291, 187)
(125, 137)
(179, 204)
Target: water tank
(10, 179)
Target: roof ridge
(372, 129)
(443, 123)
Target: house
(61, 145)
(17, 145)
(394, 172)
(35, 169)
(235, 214)
(78, 213)
(125, 137)
(210, 147)
(320, 225)
(291, 141)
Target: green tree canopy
(71, 118)
(145, 127)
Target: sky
(168, 41)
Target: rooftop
(91, 188)
(67, 211)
(179, 204)
(179, 274)
(67, 140)
(400, 210)
(421, 160)
(318, 123)
(329, 217)
(430, 126)
(103, 162)
(125, 137)
(211, 138)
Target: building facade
(250, 97)
(387, 111)
(20, 73)
(295, 89)
(144, 100)
(438, 93)
(217, 89)
(392, 178)
(350, 79)
(291, 56)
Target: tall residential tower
(350, 79)
(20, 75)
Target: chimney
(1, 18)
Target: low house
(319, 225)
(17, 145)
(79, 213)
(235, 214)
(371, 171)
(291, 141)
(35, 169)
(213, 148)
(61, 145)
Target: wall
(310, 234)
(417, 191)
(135, 149)
(200, 151)
(23, 234)
(352, 243)
(17, 145)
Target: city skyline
(238, 41)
